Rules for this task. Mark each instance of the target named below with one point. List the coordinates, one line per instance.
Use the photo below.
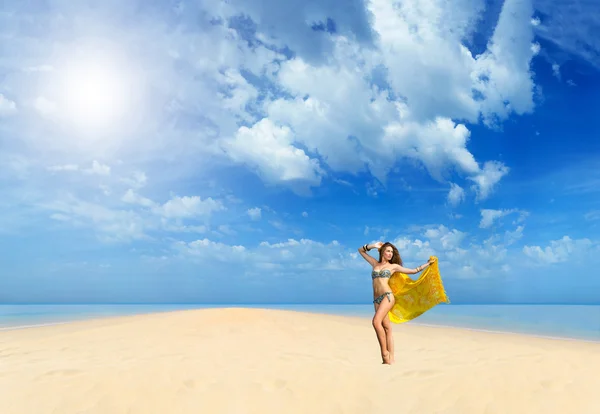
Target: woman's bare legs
(389, 336)
(381, 312)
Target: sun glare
(95, 91)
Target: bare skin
(383, 330)
(381, 321)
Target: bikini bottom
(378, 299)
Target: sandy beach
(268, 361)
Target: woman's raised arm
(364, 249)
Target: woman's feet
(387, 358)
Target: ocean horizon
(579, 322)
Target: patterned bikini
(385, 273)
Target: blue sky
(242, 151)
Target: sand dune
(261, 361)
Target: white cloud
(190, 206)
(592, 215)
(459, 256)
(45, 107)
(98, 169)
(306, 254)
(105, 189)
(65, 167)
(511, 237)
(437, 144)
(268, 149)
(423, 54)
(456, 195)
(486, 180)
(126, 222)
(288, 257)
(241, 92)
(254, 213)
(111, 225)
(14, 165)
(556, 70)
(489, 216)
(39, 68)
(179, 228)
(335, 112)
(95, 169)
(225, 229)
(562, 250)
(445, 238)
(277, 224)
(490, 252)
(413, 250)
(436, 73)
(208, 249)
(291, 25)
(7, 107)
(132, 197)
(137, 180)
(503, 70)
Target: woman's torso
(380, 278)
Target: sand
(268, 361)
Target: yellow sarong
(415, 297)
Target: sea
(566, 322)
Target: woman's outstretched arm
(364, 249)
(408, 271)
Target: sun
(95, 91)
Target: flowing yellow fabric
(415, 297)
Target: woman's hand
(377, 245)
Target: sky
(242, 151)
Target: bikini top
(386, 273)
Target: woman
(389, 263)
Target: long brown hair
(396, 259)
